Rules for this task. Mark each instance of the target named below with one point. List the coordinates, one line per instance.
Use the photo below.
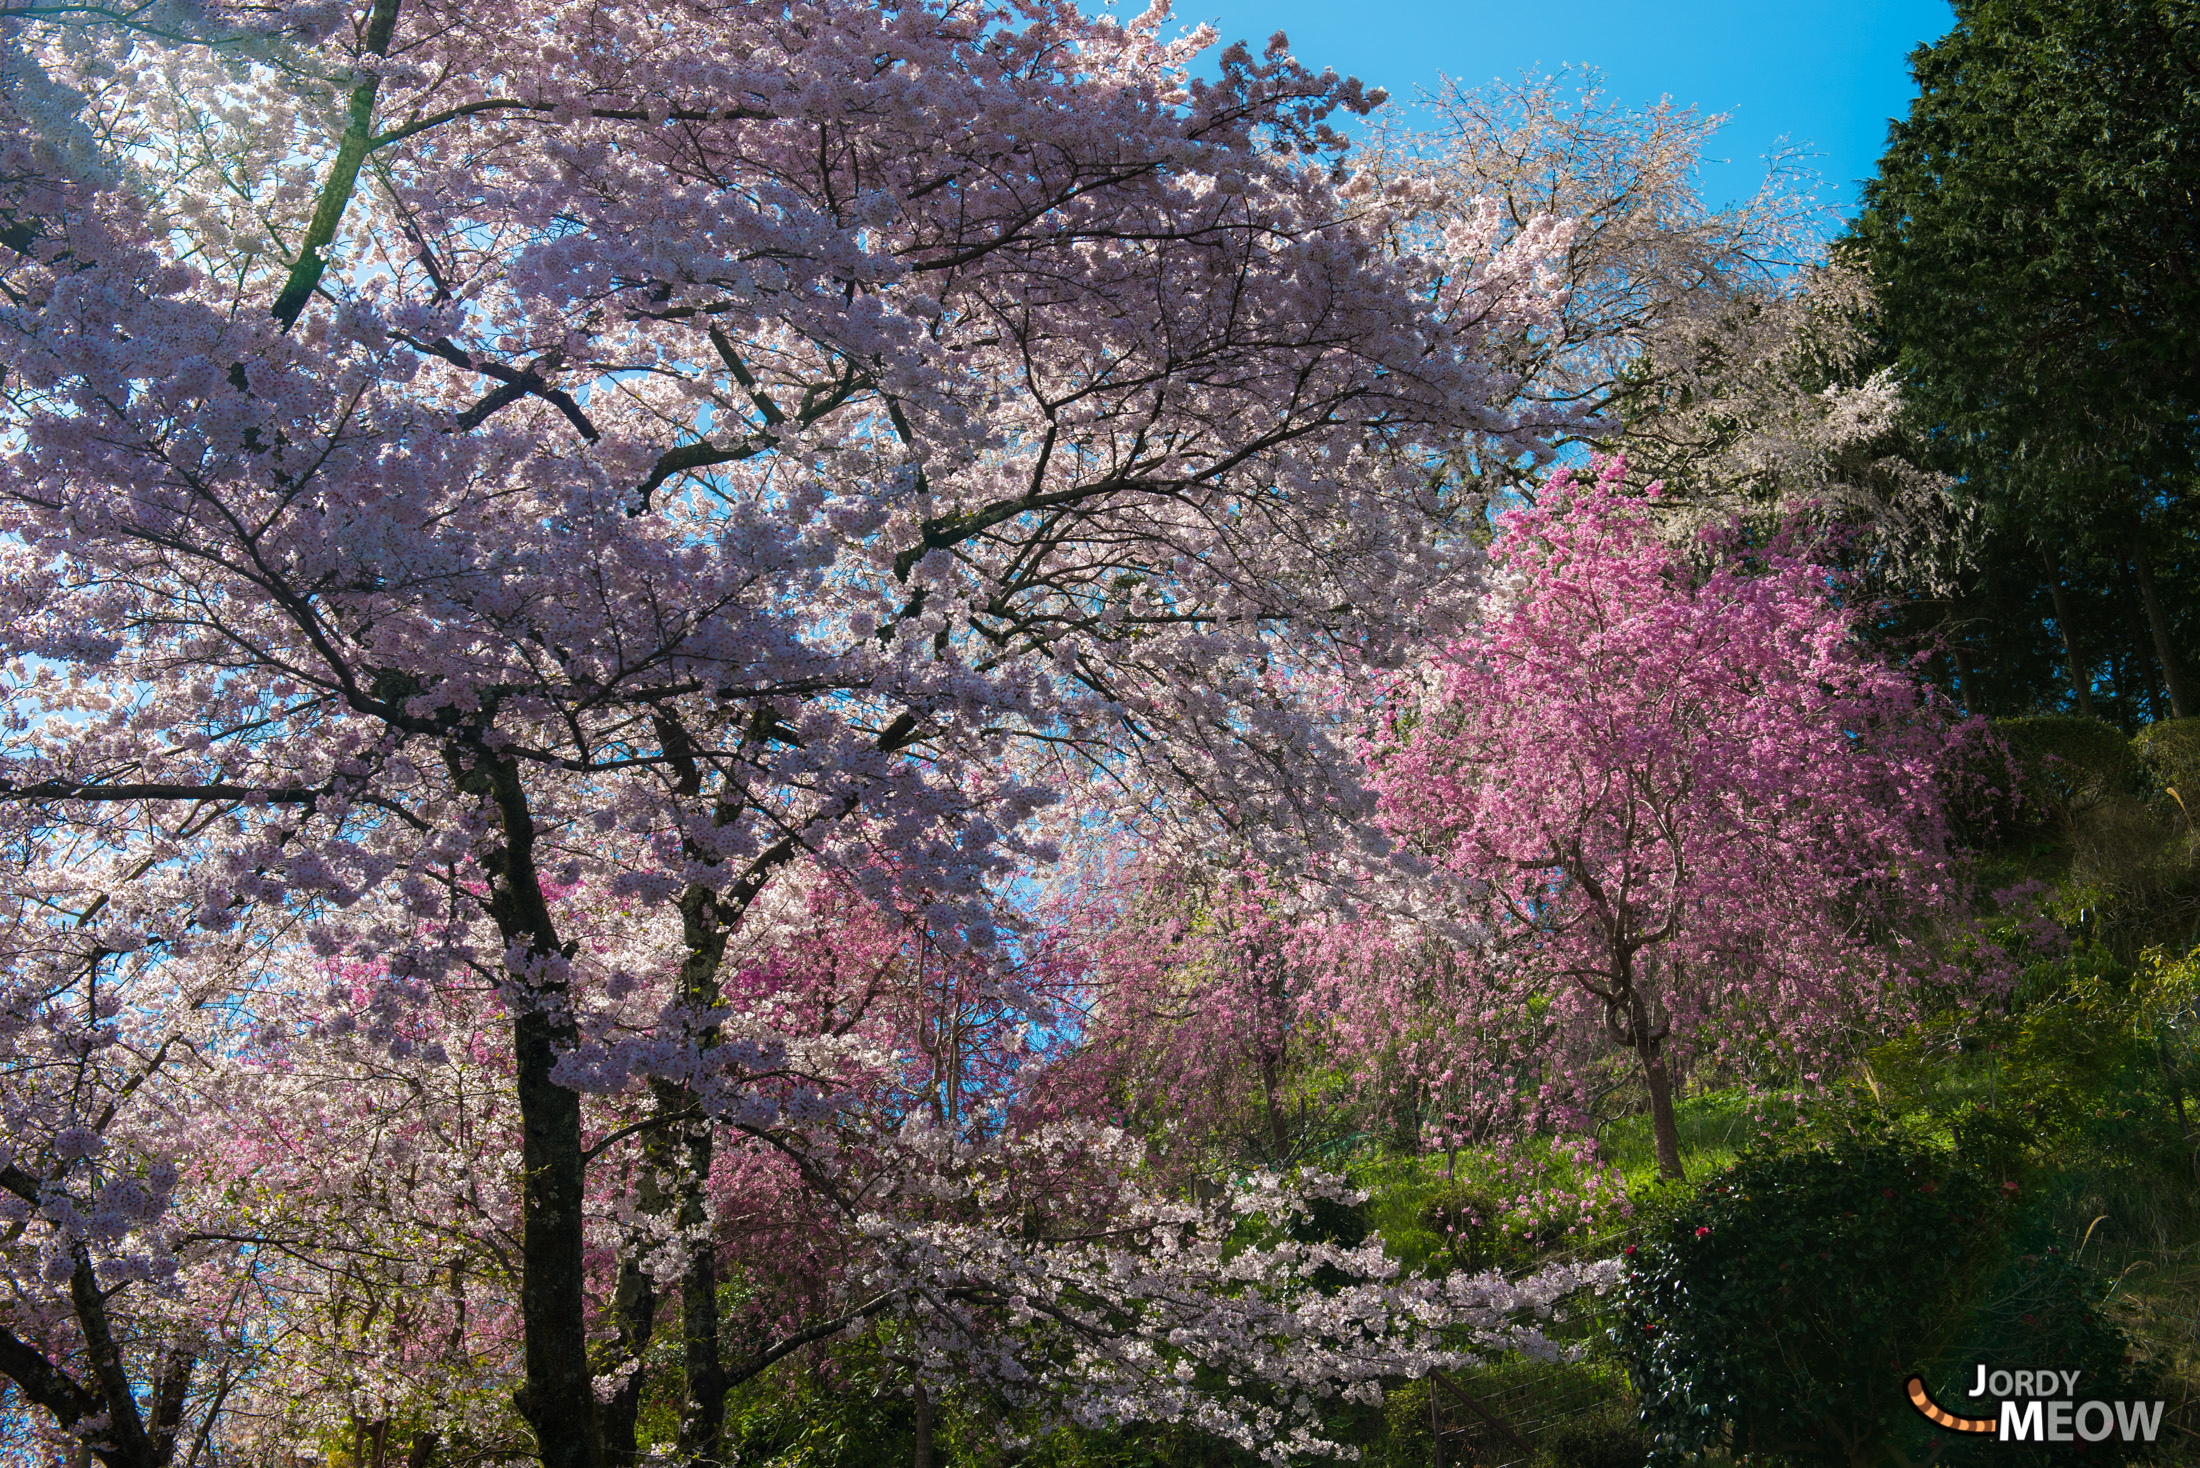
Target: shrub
(1596, 1443)
(2062, 766)
(2168, 756)
(1789, 1300)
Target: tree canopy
(2031, 234)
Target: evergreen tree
(2031, 231)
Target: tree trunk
(703, 1426)
(1279, 1134)
(1663, 1128)
(125, 1428)
(1965, 684)
(2079, 680)
(924, 1429)
(559, 1398)
(2177, 1099)
(2146, 673)
(2165, 650)
(171, 1393)
(634, 1297)
(704, 928)
(1406, 1117)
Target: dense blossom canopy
(491, 494)
(1686, 802)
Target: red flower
(1701, 1232)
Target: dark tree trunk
(125, 1428)
(676, 1163)
(558, 1399)
(702, 1426)
(1279, 1135)
(2080, 680)
(634, 1299)
(2145, 673)
(1627, 1020)
(704, 1423)
(924, 1429)
(1664, 1130)
(2176, 1089)
(1966, 685)
(1406, 1116)
(170, 1393)
(2164, 648)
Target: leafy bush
(2060, 766)
(1464, 1218)
(2168, 754)
(1788, 1301)
(1596, 1443)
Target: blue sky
(1828, 73)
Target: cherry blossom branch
(343, 177)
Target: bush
(2059, 767)
(1594, 1444)
(1465, 1218)
(2168, 756)
(1788, 1301)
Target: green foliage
(2037, 276)
(1463, 1218)
(1486, 1208)
(1713, 1125)
(2060, 767)
(1783, 1307)
(1788, 1299)
(2091, 829)
(2031, 234)
(2083, 1069)
(1600, 1442)
(2169, 754)
(832, 1413)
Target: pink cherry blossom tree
(1240, 1018)
(461, 458)
(1684, 798)
(371, 1184)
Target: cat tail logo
(1940, 1417)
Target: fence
(1497, 1418)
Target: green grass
(1714, 1127)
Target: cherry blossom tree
(365, 1197)
(1650, 267)
(1248, 1018)
(1183, 986)
(460, 458)
(1724, 350)
(1686, 802)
